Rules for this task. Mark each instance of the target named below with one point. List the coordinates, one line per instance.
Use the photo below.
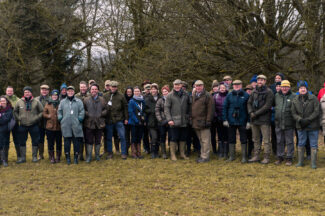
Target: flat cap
(198, 82)
(154, 85)
(91, 82)
(227, 77)
(261, 76)
(107, 82)
(237, 82)
(114, 83)
(177, 81)
(70, 87)
(248, 87)
(45, 87)
(147, 86)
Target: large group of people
(160, 118)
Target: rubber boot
(221, 149)
(266, 159)
(300, 156)
(89, 153)
(313, 158)
(52, 160)
(41, 151)
(34, 154)
(134, 151)
(18, 152)
(182, 150)
(163, 151)
(3, 158)
(97, 150)
(68, 159)
(139, 151)
(232, 152)
(244, 153)
(172, 147)
(76, 156)
(225, 150)
(81, 155)
(58, 157)
(22, 155)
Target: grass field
(161, 187)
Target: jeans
(312, 135)
(136, 133)
(119, 126)
(52, 138)
(76, 144)
(33, 131)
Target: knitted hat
(28, 88)
(285, 83)
(254, 79)
(63, 86)
(215, 83)
(55, 92)
(302, 83)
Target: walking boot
(313, 158)
(266, 159)
(139, 151)
(3, 158)
(67, 157)
(76, 156)
(97, 150)
(134, 151)
(81, 155)
(34, 154)
(58, 157)
(22, 155)
(89, 153)
(172, 147)
(244, 153)
(300, 156)
(41, 151)
(279, 161)
(254, 159)
(182, 150)
(52, 160)
(289, 162)
(232, 152)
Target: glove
(225, 124)
(304, 122)
(252, 115)
(248, 126)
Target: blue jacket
(134, 109)
(235, 108)
(5, 117)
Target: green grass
(161, 187)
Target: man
(235, 117)
(228, 82)
(273, 133)
(250, 143)
(278, 79)
(305, 111)
(284, 123)
(177, 109)
(259, 108)
(71, 114)
(117, 116)
(28, 112)
(82, 95)
(202, 114)
(44, 99)
(146, 94)
(95, 110)
(13, 100)
(63, 91)
(107, 86)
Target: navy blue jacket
(235, 108)
(5, 117)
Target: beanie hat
(28, 88)
(63, 86)
(55, 92)
(280, 74)
(302, 83)
(254, 79)
(285, 83)
(215, 83)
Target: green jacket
(13, 100)
(82, 96)
(117, 107)
(283, 116)
(306, 107)
(30, 117)
(44, 101)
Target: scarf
(55, 103)
(28, 102)
(70, 98)
(138, 98)
(179, 93)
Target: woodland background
(55, 41)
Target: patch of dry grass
(161, 187)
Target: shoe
(254, 159)
(288, 162)
(67, 157)
(124, 157)
(202, 160)
(75, 159)
(279, 161)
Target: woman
(137, 122)
(128, 94)
(162, 121)
(5, 116)
(219, 99)
(53, 129)
(322, 103)
(152, 125)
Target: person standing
(6, 114)
(277, 79)
(28, 112)
(137, 122)
(228, 82)
(146, 140)
(63, 91)
(44, 99)
(117, 117)
(128, 94)
(71, 114)
(250, 143)
(13, 100)
(202, 115)
(305, 111)
(52, 125)
(177, 109)
(95, 114)
(259, 108)
(152, 125)
(284, 123)
(236, 118)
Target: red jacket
(321, 93)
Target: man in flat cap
(44, 99)
(28, 113)
(259, 109)
(228, 82)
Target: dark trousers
(250, 143)
(146, 144)
(163, 132)
(42, 132)
(273, 139)
(54, 137)
(223, 145)
(232, 134)
(179, 134)
(15, 136)
(136, 133)
(213, 131)
(191, 138)
(154, 134)
(93, 136)
(76, 144)
(33, 131)
(127, 129)
(4, 139)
